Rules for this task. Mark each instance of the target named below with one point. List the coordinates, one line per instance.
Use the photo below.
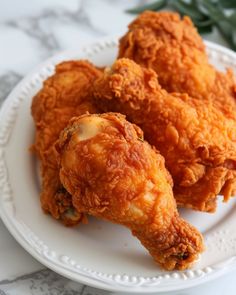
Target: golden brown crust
(64, 95)
(196, 139)
(172, 47)
(117, 176)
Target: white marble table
(30, 32)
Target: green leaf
(153, 6)
(204, 30)
(213, 10)
(187, 9)
(205, 26)
(227, 31)
(232, 19)
(205, 23)
(227, 3)
(193, 2)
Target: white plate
(99, 254)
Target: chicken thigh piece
(172, 47)
(113, 174)
(197, 141)
(63, 95)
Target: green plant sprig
(205, 15)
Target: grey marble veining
(7, 82)
(31, 38)
(41, 27)
(45, 282)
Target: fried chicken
(197, 141)
(64, 95)
(172, 47)
(113, 174)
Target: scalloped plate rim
(65, 272)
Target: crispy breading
(64, 95)
(172, 47)
(197, 141)
(113, 174)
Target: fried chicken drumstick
(172, 47)
(197, 141)
(113, 174)
(64, 95)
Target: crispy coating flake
(113, 174)
(64, 95)
(197, 141)
(172, 47)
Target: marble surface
(30, 32)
